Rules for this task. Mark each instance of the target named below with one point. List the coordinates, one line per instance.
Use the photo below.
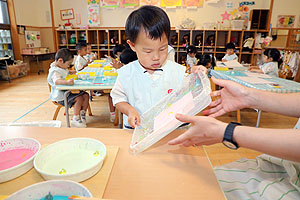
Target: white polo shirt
(230, 57)
(142, 90)
(270, 68)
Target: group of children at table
(142, 83)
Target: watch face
(229, 145)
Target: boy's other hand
(72, 71)
(196, 68)
(134, 119)
(70, 81)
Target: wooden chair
(59, 106)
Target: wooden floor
(27, 99)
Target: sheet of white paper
(254, 80)
(233, 64)
(259, 75)
(184, 105)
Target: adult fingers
(180, 139)
(184, 118)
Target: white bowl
(55, 187)
(75, 159)
(16, 168)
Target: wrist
(218, 130)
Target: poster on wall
(93, 1)
(129, 3)
(67, 14)
(286, 21)
(93, 15)
(150, 2)
(33, 39)
(170, 3)
(193, 3)
(110, 3)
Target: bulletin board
(33, 39)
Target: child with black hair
(208, 61)
(81, 62)
(230, 55)
(191, 59)
(57, 73)
(127, 56)
(271, 61)
(142, 83)
(90, 56)
(117, 50)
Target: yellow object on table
(110, 74)
(70, 76)
(99, 61)
(91, 73)
(95, 65)
(3, 197)
(221, 68)
(108, 67)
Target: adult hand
(231, 97)
(134, 118)
(204, 131)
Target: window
(4, 18)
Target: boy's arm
(120, 101)
(256, 70)
(58, 80)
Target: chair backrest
(49, 87)
(297, 126)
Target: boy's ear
(60, 60)
(131, 44)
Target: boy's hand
(196, 68)
(70, 81)
(72, 71)
(134, 119)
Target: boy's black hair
(128, 56)
(191, 49)
(152, 19)
(80, 45)
(229, 45)
(204, 59)
(275, 54)
(64, 53)
(118, 48)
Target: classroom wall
(117, 17)
(286, 7)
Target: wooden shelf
(97, 37)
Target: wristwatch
(228, 136)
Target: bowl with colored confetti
(51, 190)
(75, 159)
(17, 156)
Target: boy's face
(151, 53)
(65, 65)
(82, 51)
(89, 49)
(266, 59)
(230, 51)
(192, 55)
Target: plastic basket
(237, 24)
(192, 97)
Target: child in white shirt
(191, 59)
(142, 83)
(81, 62)
(270, 63)
(230, 55)
(90, 56)
(57, 74)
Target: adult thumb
(184, 118)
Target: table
(162, 172)
(39, 57)
(99, 82)
(286, 86)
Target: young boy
(142, 83)
(191, 59)
(57, 74)
(90, 56)
(230, 55)
(81, 62)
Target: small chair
(59, 106)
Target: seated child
(230, 55)
(81, 62)
(57, 74)
(144, 82)
(270, 64)
(191, 59)
(117, 50)
(207, 61)
(90, 56)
